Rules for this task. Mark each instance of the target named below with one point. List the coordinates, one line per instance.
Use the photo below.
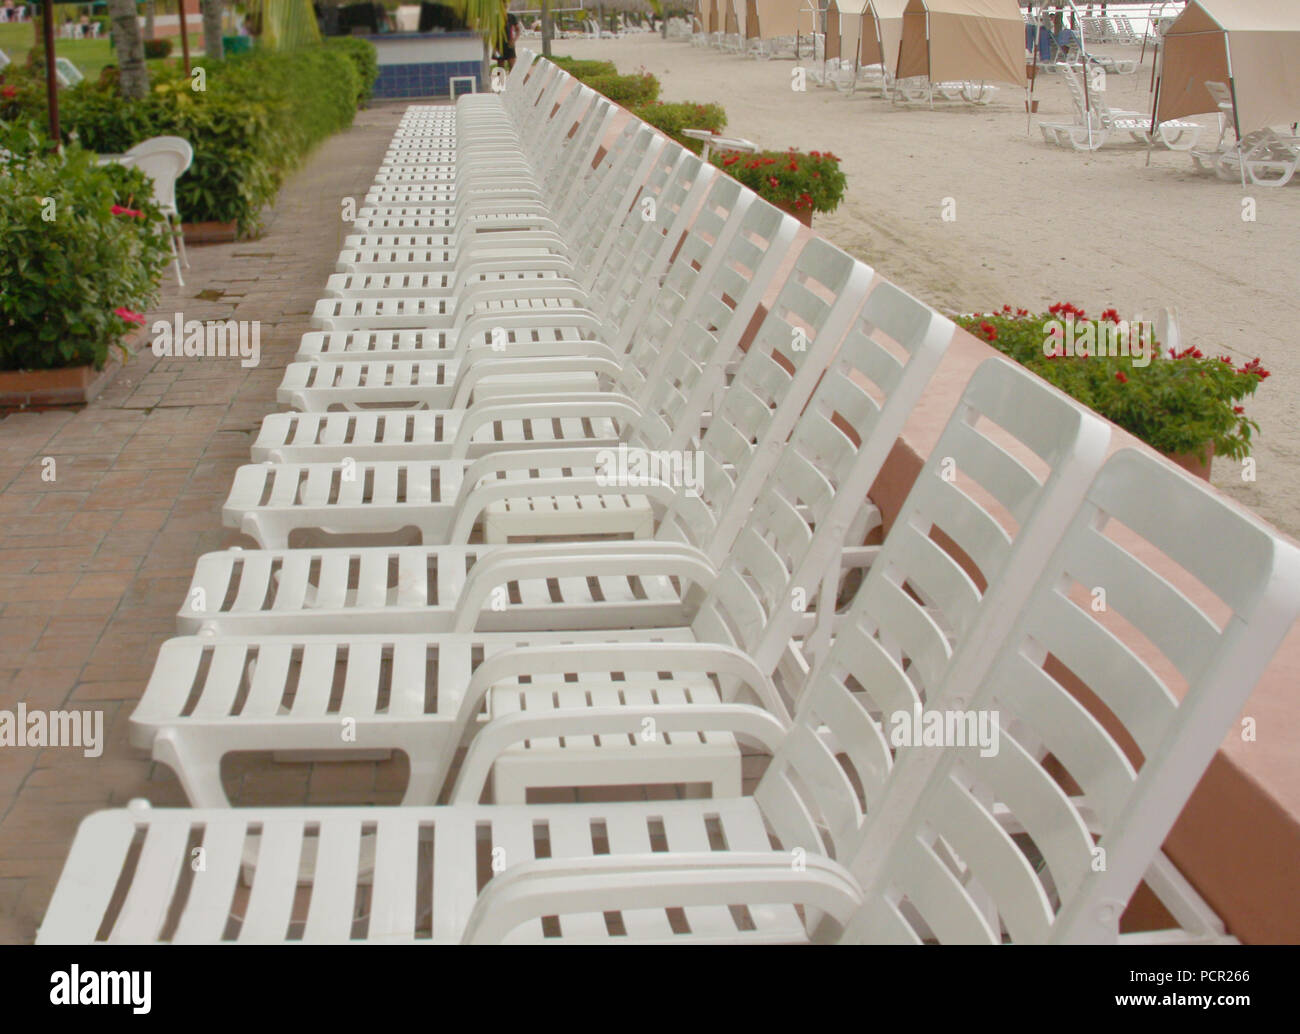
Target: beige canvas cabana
(713, 16)
(881, 32)
(731, 23)
(771, 19)
(975, 40)
(1251, 45)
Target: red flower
(988, 330)
(1022, 312)
(1006, 308)
(1226, 359)
(1055, 308)
(1119, 376)
(774, 181)
(134, 213)
(1110, 314)
(730, 160)
(1239, 409)
(8, 92)
(815, 154)
(793, 166)
(129, 316)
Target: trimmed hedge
(631, 91)
(671, 119)
(258, 117)
(585, 69)
(363, 56)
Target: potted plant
(82, 248)
(1185, 404)
(797, 182)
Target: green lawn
(90, 55)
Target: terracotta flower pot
(804, 215)
(66, 386)
(1193, 463)
(210, 232)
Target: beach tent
(771, 19)
(713, 16)
(881, 31)
(1252, 45)
(850, 26)
(699, 16)
(976, 40)
(831, 49)
(731, 26)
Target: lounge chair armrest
(476, 294)
(748, 723)
(498, 366)
(606, 883)
(589, 405)
(574, 560)
(657, 491)
(482, 324)
(547, 263)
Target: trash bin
(237, 44)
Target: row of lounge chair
(536, 282)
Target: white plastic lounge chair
(426, 589)
(622, 285)
(961, 866)
(954, 846)
(997, 848)
(188, 720)
(674, 381)
(619, 276)
(1093, 128)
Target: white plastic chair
(164, 159)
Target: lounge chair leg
(180, 240)
(198, 771)
(171, 241)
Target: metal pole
(51, 76)
(185, 36)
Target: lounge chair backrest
(986, 509)
(807, 506)
(163, 159)
(1102, 739)
(751, 423)
(676, 185)
(741, 261)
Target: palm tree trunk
(132, 72)
(212, 47)
(547, 28)
(148, 20)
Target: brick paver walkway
(95, 563)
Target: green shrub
(260, 114)
(585, 69)
(790, 179)
(631, 91)
(1176, 403)
(364, 57)
(70, 264)
(671, 119)
(156, 48)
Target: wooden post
(185, 36)
(51, 76)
